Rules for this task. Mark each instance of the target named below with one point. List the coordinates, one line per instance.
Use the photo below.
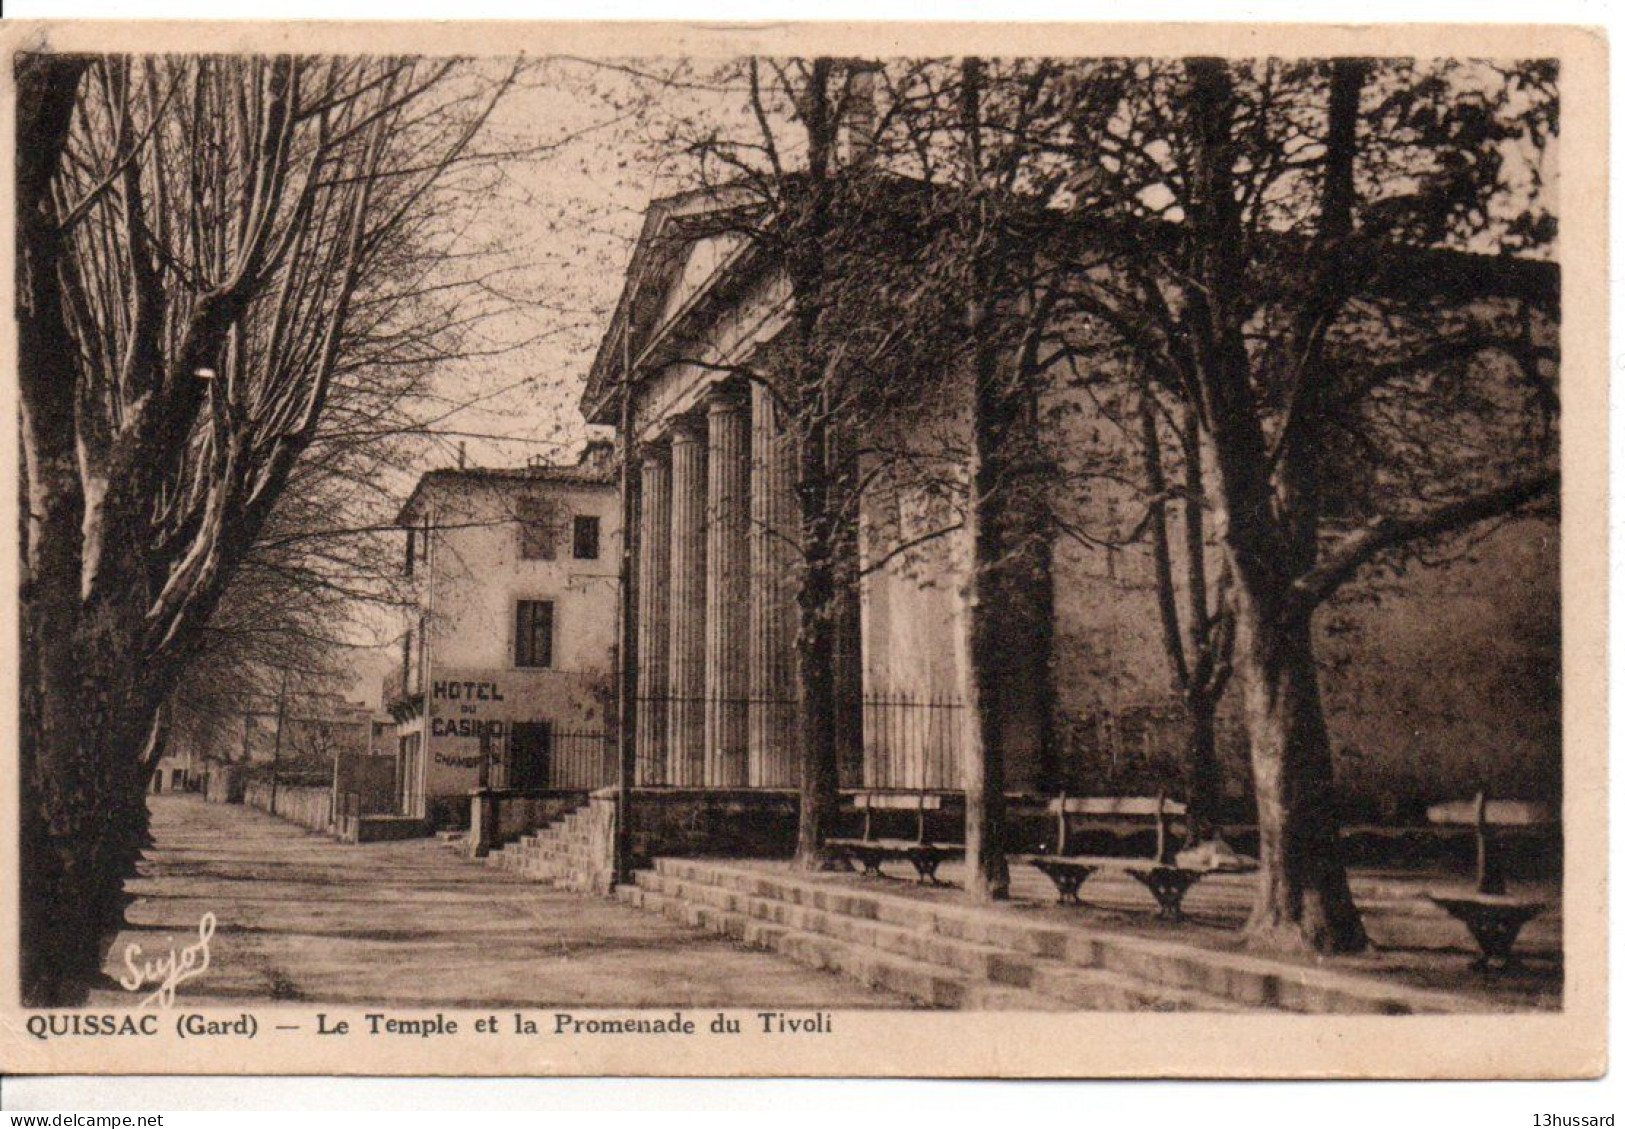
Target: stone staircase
(568, 853)
(977, 958)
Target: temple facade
(717, 546)
(1084, 688)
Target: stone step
(923, 983)
(574, 862)
(542, 842)
(558, 850)
(551, 875)
(577, 844)
(1241, 979)
(560, 854)
(1091, 988)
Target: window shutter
(533, 633)
(586, 538)
(536, 530)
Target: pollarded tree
(211, 250)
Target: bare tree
(216, 250)
(1230, 238)
(783, 184)
(1362, 382)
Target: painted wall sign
(451, 691)
(471, 711)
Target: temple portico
(715, 609)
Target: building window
(586, 538)
(533, 636)
(536, 530)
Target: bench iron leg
(1495, 940)
(926, 863)
(1067, 885)
(1068, 881)
(1168, 885)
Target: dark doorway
(530, 750)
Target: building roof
(670, 226)
(674, 223)
(594, 468)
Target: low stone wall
(498, 816)
(379, 828)
(306, 806)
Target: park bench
(1492, 917)
(870, 852)
(1167, 880)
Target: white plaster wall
(460, 701)
(477, 577)
(471, 583)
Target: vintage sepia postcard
(892, 549)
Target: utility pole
(626, 702)
(276, 749)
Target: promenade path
(303, 918)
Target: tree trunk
(987, 876)
(1303, 902)
(814, 397)
(815, 671)
(84, 821)
(987, 871)
(69, 800)
(1204, 782)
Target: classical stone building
(507, 662)
(717, 545)
(1435, 682)
(715, 605)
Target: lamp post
(276, 748)
(626, 701)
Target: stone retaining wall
(499, 816)
(736, 823)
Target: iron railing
(563, 759)
(889, 740)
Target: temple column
(654, 616)
(686, 686)
(774, 520)
(727, 590)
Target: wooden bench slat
(1497, 813)
(899, 846)
(1114, 805)
(898, 801)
